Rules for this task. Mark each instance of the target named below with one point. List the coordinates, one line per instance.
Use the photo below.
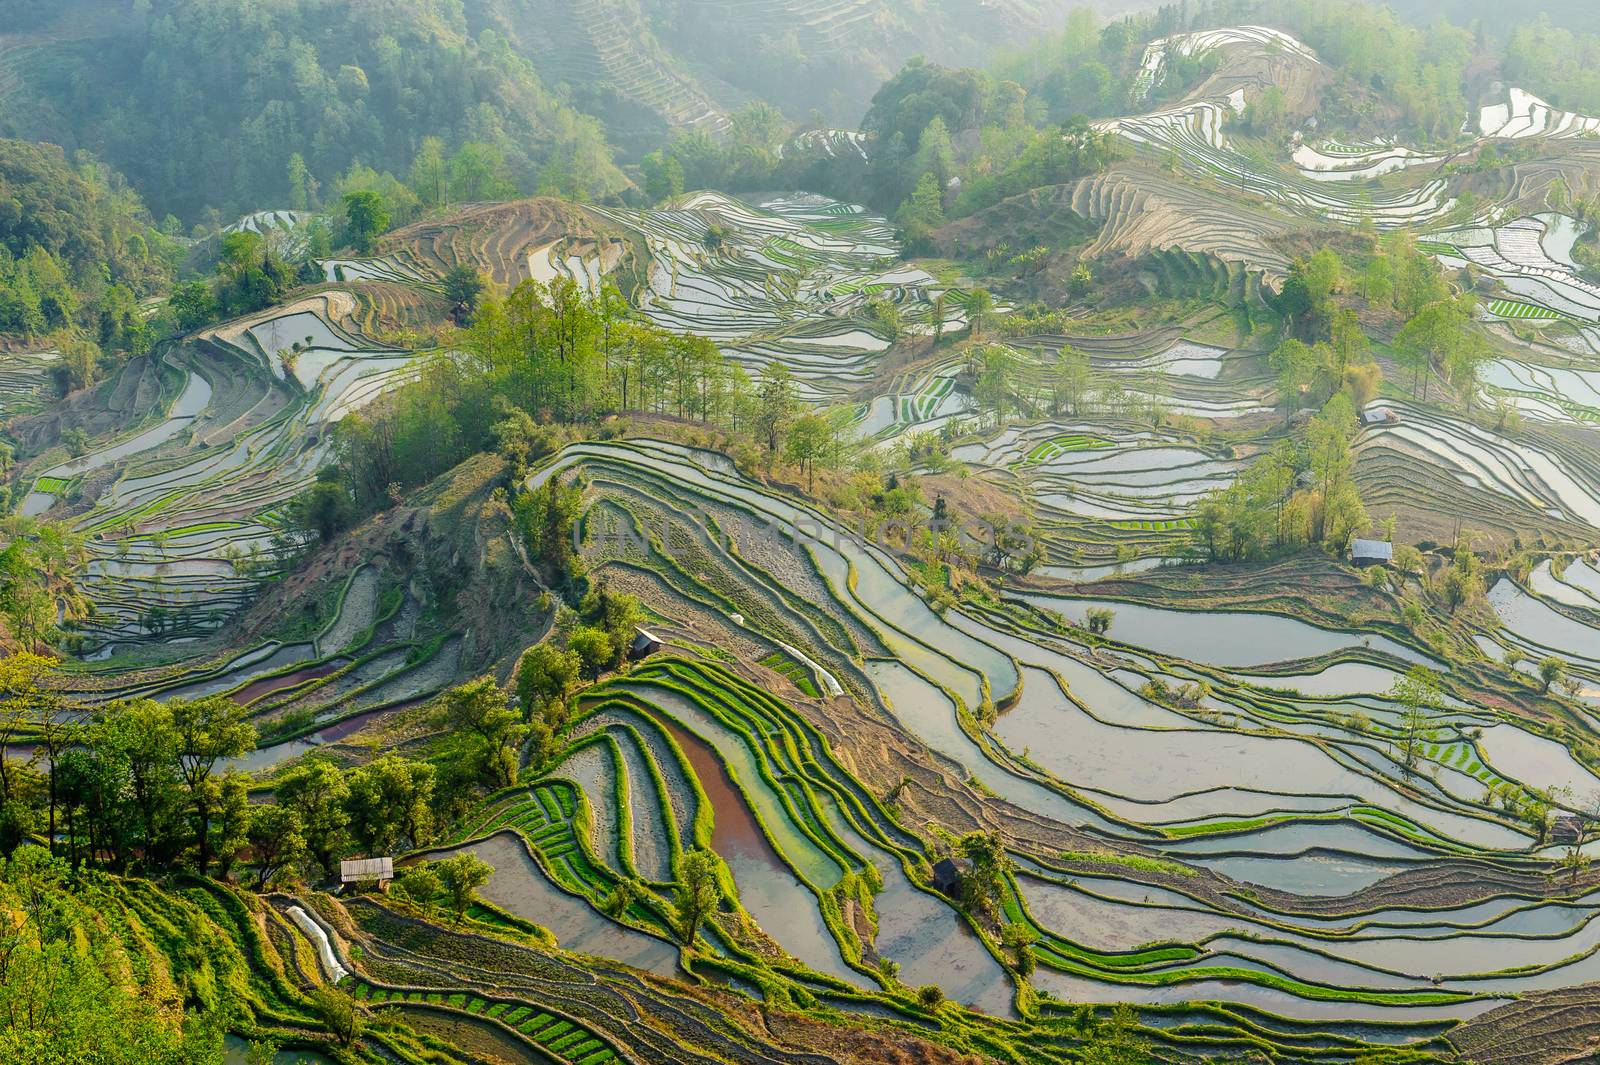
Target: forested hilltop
(203, 103)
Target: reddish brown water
(734, 829)
(267, 685)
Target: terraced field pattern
(1216, 811)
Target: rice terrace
(816, 531)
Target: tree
(479, 716)
(340, 1014)
(429, 176)
(777, 404)
(322, 511)
(478, 172)
(1432, 334)
(1299, 371)
(546, 675)
(1069, 380)
(302, 186)
(275, 841)
(623, 896)
(461, 876)
(366, 215)
(1018, 940)
(139, 735)
(1099, 619)
(22, 702)
(390, 799)
(207, 731)
(984, 886)
(193, 304)
(980, 305)
(317, 792)
(992, 391)
(1417, 692)
(697, 893)
(810, 440)
(663, 176)
(923, 213)
(593, 648)
(232, 804)
(462, 287)
(1551, 670)
(420, 884)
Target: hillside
(78, 254)
(232, 90)
(1095, 563)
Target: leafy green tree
(623, 896)
(594, 650)
(206, 732)
(462, 287)
(545, 517)
(810, 440)
(390, 799)
(232, 804)
(302, 186)
(250, 274)
(317, 792)
(1299, 371)
(663, 176)
(1551, 670)
(462, 875)
(193, 305)
(420, 884)
(1018, 940)
(984, 886)
(485, 728)
(923, 213)
(698, 891)
(340, 1014)
(479, 173)
(1418, 693)
(980, 305)
(547, 674)
(429, 176)
(322, 511)
(275, 841)
(777, 404)
(366, 216)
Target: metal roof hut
(644, 643)
(1372, 552)
(366, 871)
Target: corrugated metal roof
(357, 869)
(1372, 549)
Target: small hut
(644, 643)
(366, 871)
(948, 874)
(1372, 553)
